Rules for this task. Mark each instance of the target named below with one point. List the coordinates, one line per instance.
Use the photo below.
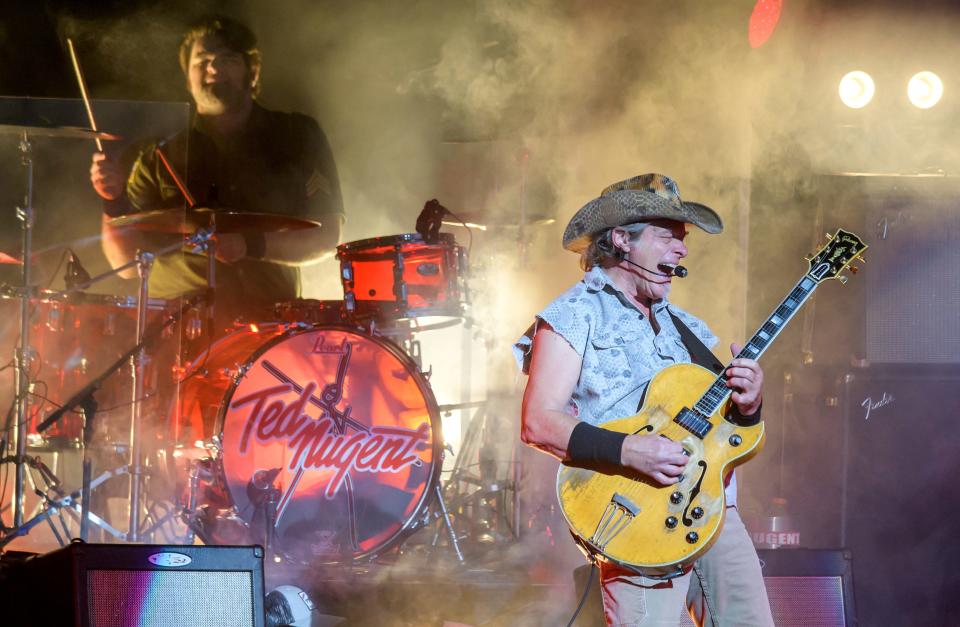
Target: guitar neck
(718, 392)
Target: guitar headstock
(841, 249)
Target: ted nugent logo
(324, 442)
(317, 445)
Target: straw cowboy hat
(637, 199)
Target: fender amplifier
(806, 588)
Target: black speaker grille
(139, 598)
(814, 601)
(913, 281)
(806, 601)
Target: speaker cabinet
(809, 587)
(130, 585)
(806, 588)
(900, 506)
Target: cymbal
(220, 220)
(67, 132)
(7, 259)
(484, 221)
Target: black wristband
(256, 244)
(745, 421)
(593, 444)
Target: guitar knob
(692, 537)
(671, 522)
(697, 513)
(735, 440)
(676, 498)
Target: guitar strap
(699, 353)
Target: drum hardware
(86, 400)
(26, 216)
(59, 503)
(265, 497)
(477, 488)
(448, 524)
(53, 322)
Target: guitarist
(590, 355)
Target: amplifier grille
(138, 598)
(802, 602)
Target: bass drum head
(345, 429)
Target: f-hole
(687, 521)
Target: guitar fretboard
(717, 393)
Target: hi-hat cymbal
(220, 220)
(67, 132)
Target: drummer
(243, 158)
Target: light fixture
(856, 89)
(925, 89)
(763, 21)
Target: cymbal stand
(211, 246)
(144, 265)
(22, 358)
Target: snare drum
(402, 276)
(340, 422)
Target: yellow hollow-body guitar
(657, 530)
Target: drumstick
(83, 91)
(176, 179)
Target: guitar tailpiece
(619, 513)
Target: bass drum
(338, 428)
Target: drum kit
(313, 430)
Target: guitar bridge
(620, 511)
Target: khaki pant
(724, 589)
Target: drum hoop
(433, 410)
(388, 310)
(387, 240)
(85, 298)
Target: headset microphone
(677, 270)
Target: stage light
(763, 21)
(925, 90)
(856, 89)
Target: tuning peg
(854, 269)
(842, 279)
(861, 259)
